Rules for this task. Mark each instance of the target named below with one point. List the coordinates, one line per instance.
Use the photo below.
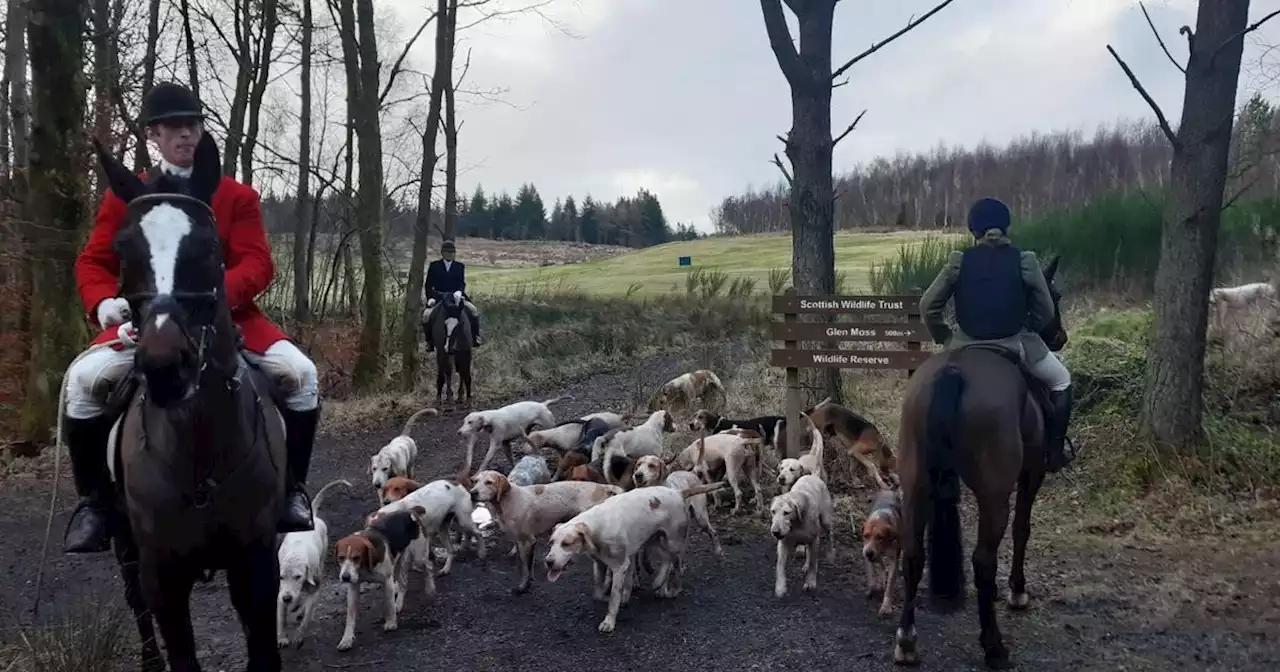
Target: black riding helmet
(170, 101)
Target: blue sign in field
(686, 261)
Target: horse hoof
(1019, 601)
(905, 655)
(999, 659)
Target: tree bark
(261, 74)
(193, 71)
(15, 72)
(1173, 403)
(302, 206)
(58, 204)
(243, 54)
(360, 56)
(141, 159)
(103, 73)
(809, 148)
(413, 298)
(451, 134)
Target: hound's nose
(286, 598)
(869, 553)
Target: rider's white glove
(457, 295)
(112, 312)
(127, 334)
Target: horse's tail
(942, 428)
(413, 419)
(319, 498)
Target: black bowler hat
(168, 101)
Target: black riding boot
(476, 339)
(89, 530)
(1060, 452)
(300, 436)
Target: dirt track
(1092, 605)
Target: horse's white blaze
(161, 319)
(164, 227)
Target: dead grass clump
(91, 639)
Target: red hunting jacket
(250, 268)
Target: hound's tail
(413, 419)
(941, 437)
(320, 496)
(701, 489)
(816, 450)
(563, 397)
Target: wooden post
(914, 346)
(793, 393)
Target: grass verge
(538, 338)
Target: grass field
(656, 270)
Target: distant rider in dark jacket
(447, 276)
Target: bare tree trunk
(243, 53)
(302, 230)
(58, 204)
(809, 149)
(1173, 402)
(262, 71)
(451, 133)
(103, 61)
(422, 219)
(141, 160)
(809, 145)
(360, 56)
(349, 218)
(15, 72)
(193, 72)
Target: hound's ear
(585, 532)
(124, 184)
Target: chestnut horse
(974, 415)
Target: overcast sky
(684, 98)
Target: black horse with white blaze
(199, 466)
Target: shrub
(915, 265)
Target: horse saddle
(1036, 387)
(123, 392)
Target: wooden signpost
(876, 319)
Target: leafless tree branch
(778, 162)
(775, 23)
(876, 47)
(1240, 35)
(404, 53)
(1155, 107)
(1159, 39)
(848, 130)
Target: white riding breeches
(470, 307)
(1052, 371)
(92, 377)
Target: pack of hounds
(615, 496)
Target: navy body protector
(990, 296)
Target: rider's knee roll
(1053, 372)
(296, 372)
(90, 379)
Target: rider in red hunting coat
(174, 121)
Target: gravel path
(1093, 609)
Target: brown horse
(198, 461)
(974, 415)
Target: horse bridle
(207, 331)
